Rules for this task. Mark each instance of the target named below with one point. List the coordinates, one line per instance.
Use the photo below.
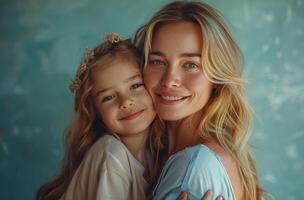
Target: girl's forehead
(111, 60)
(116, 70)
(115, 75)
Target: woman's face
(173, 74)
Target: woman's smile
(170, 97)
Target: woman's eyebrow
(190, 55)
(156, 53)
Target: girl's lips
(133, 115)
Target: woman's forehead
(181, 37)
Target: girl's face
(173, 75)
(121, 99)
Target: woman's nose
(171, 78)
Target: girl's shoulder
(108, 147)
(107, 150)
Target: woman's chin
(170, 116)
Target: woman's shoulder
(192, 162)
(196, 154)
(195, 170)
(205, 162)
(202, 153)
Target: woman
(193, 71)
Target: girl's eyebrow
(101, 91)
(132, 78)
(125, 81)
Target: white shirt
(108, 171)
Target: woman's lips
(133, 115)
(171, 99)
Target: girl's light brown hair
(86, 127)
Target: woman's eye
(108, 98)
(191, 66)
(156, 62)
(136, 85)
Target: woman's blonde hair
(86, 127)
(227, 116)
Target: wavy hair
(227, 116)
(86, 127)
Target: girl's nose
(126, 103)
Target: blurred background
(41, 45)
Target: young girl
(109, 143)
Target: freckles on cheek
(199, 85)
(152, 73)
(151, 76)
(196, 80)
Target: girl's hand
(207, 196)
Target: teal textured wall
(42, 42)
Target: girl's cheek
(143, 95)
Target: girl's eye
(157, 62)
(191, 66)
(108, 98)
(136, 85)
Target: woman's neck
(172, 128)
(183, 133)
(137, 145)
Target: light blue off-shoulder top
(194, 170)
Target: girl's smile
(132, 115)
